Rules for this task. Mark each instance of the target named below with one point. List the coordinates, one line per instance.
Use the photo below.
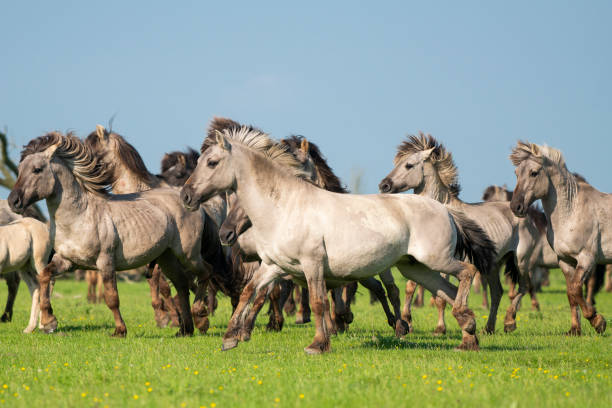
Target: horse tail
(511, 269)
(473, 243)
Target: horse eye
(37, 170)
(212, 164)
(409, 166)
(534, 173)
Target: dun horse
(579, 221)
(424, 165)
(316, 235)
(24, 248)
(94, 230)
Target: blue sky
(354, 78)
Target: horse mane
(89, 172)
(171, 159)
(219, 124)
(259, 141)
(545, 155)
(128, 155)
(330, 181)
(490, 191)
(441, 159)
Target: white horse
(25, 247)
(316, 235)
(579, 220)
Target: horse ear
(222, 141)
(426, 153)
(50, 151)
(305, 145)
(101, 132)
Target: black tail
(212, 252)
(474, 243)
(511, 268)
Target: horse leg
(92, 280)
(523, 286)
(496, 294)
(111, 295)
(211, 299)
(12, 282)
(609, 278)
(261, 278)
(441, 326)
(375, 287)
(289, 305)
(303, 314)
(249, 322)
(56, 266)
(401, 326)
(29, 277)
(485, 290)
(420, 298)
(168, 302)
(585, 268)
(407, 312)
(316, 287)
(441, 287)
(329, 314)
(99, 287)
(198, 309)
(477, 284)
(338, 311)
(535, 304)
(276, 317)
(161, 317)
(568, 273)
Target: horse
(317, 236)
(127, 173)
(309, 155)
(578, 221)
(544, 257)
(424, 165)
(92, 229)
(24, 251)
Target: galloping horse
(579, 221)
(316, 236)
(94, 230)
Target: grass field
(82, 366)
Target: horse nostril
(185, 196)
(384, 187)
(14, 200)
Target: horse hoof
(51, 326)
(488, 330)
(574, 331)
(182, 333)
(599, 323)
(402, 328)
(229, 344)
(120, 333)
(244, 335)
(274, 325)
(509, 327)
(6, 318)
(202, 325)
(439, 331)
(314, 349)
(469, 343)
(302, 320)
(28, 330)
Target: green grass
(82, 366)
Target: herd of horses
(256, 219)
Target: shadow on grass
(443, 343)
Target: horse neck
(433, 187)
(262, 186)
(69, 200)
(126, 181)
(559, 202)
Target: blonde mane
(441, 159)
(88, 171)
(260, 142)
(546, 156)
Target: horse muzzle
(386, 186)
(16, 201)
(518, 207)
(187, 196)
